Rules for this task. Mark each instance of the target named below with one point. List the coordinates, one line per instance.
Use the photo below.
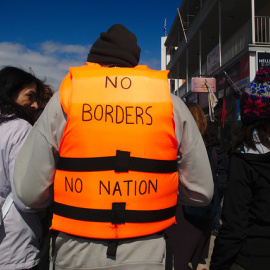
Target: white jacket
(20, 230)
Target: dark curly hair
(12, 81)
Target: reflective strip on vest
(117, 174)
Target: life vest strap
(112, 248)
(122, 162)
(117, 215)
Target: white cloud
(50, 47)
(51, 60)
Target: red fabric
(224, 112)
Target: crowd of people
(114, 172)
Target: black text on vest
(124, 83)
(127, 187)
(130, 115)
(73, 185)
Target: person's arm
(196, 183)
(17, 137)
(235, 215)
(35, 164)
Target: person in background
(114, 123)
(221, 161)
(190, 236)
(45, 215)
(20, 227)
(45, 97)
(243, 239)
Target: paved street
(211, 249)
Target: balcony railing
(262, 29)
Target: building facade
(224, 40)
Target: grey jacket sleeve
(196, 185)
(35, 164)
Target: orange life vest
(117, 174)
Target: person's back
(110, 140)
(243, 238)
(245, 212)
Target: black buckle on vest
(122, 161)
(118, 213)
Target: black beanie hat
(117, 46)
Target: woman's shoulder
(15, 128)
(16, 123)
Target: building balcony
(204, 34)
(262, 29)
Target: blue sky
(50, 36)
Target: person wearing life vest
(117, 149)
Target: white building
(224, 39)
